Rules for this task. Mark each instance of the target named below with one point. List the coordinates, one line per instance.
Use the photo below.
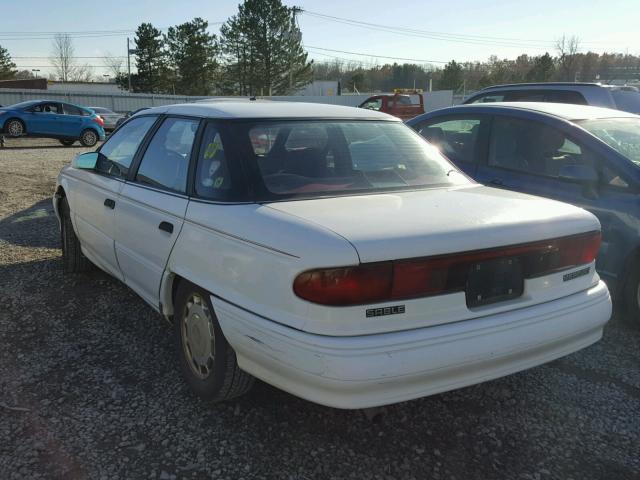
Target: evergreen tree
(7, 67)
(542, 70)
(263, 49)
(150, 61)
(192, 55)
(452, 76)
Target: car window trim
(144, 145)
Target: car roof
(543, 85)
(276, 109)
(565, 111)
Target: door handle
(166, 227)
(110, 203)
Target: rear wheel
(67, 143)
(14, 128)
(88, 137)
(207, 361)
(73, 260)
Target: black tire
(632, 293)
(14, 128)
(67, 143)
(73, 260)
(224, 379)
(88, 137)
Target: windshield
(314, 158)
(621, 134)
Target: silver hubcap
(89, 138)
(15, 129)
(198, 341)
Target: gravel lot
(95, 370)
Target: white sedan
(329, 251)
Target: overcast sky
(430, 31)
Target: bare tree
(567, 49)
(82, 73)
(62, 56)
(115, 65)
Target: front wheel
(14, 128)
(207, 361)
(88, 138)
(73, 260)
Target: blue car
(42, 118)
(587, 156)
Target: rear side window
(566, 96)
(213, 178)
(71, 109)
(118, 151)
(166, 161)
(456, 138)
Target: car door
(152, 205)
(459, 137)
(95, 193)
(530, 156)
(47, 118)
(72, 121)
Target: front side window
(166, 161)
(373, 104)
(489, 98)
(118, 151)
(53, 108)
(311, 158)
(540, 149)
(456, 138)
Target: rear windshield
(621, 134)
(317, 158)
(627, 100)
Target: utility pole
(128, 66)
(293, 31)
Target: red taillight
(366, 283)
(98, 119)
(422, 277)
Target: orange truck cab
(400, 104)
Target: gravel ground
(95, 371)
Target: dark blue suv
(587, 156)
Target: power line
(421, 60)
(441, 37)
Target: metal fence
(125, 102)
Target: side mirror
(85, 161)
(584, 174)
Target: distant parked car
(43, 118)
(109, 116)
(401, 104)
(583, 155)
(623, 98)
(339, 257)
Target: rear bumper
(372, 370)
